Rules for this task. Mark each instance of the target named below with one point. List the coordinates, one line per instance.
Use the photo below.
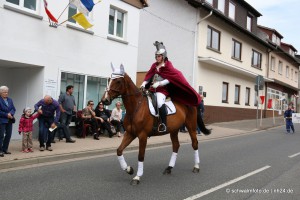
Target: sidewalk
(90, 147)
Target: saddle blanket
(171, 109)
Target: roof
(289, 45)
(270, 29)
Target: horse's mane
(129, 80)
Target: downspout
(196, 44)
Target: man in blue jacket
(288, 119)
(49, 116)
(7, 111)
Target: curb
(68, 156)
(73, 155)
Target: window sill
(212, 49)
(74, 27)
(247, 104)
(236, 103)
(256, 67)
(116, 39)
(21, 11)
(224, 101)
(239, 60)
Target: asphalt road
(254, 166)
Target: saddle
(152, 104)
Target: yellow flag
(81, 19)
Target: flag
(84, 6)
(51, 17)
(81, 19)
(270, 104)
(262, 99)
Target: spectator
(288, 119)
(88, 116)
(67, 105)
(49, 117)
(116, 117)
(200, 109)
(182, 129)
(66, 133)
(103, 116)
(26, 127)
(7, 111)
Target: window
(237, 94)
(256, 59)
(28, 4)
(275, 39)
(275, 95)
(225, 93)
(85, 88)
(296, 76)
(221, 5)
(292, 73)
(213, 38)
(210, 1)
(236, 49)
(280, 67)
(291, 52)
(249, 23)
(78, 82)
(72, 11)
(116, 23)
(231, 12)
(247, 97)
(272, 63)
(287, 71)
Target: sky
(281, 15)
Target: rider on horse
(166, 81)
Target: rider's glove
(155, 85)
(142, 87)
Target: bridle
(108, 90)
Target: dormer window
(275, 39)
(291, 52)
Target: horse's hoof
(135, 181)
(129, 170)
(196, 170)
(168, 170)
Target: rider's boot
(163, 115)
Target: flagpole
(64, 10)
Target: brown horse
(139, 122)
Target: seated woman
(102, 116)
(116, 117)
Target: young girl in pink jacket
(25, 127)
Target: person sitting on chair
(88, 115)
(103, 115)
(166, 81)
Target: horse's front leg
(127, 139)
(142, 148)
(175, 145)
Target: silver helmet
(160, 49)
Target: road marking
(227, 183)
(294, 155)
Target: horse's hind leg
(127, 139)
(191, 126)
(175, 145)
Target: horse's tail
(202, 125)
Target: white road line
(227, 183)
(294, 155)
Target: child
(25, 127)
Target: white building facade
(36, 59)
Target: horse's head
(116, 85)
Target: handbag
(104, 117)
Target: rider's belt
(157, 78)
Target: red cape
(179, 89)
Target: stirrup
(163, 126)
